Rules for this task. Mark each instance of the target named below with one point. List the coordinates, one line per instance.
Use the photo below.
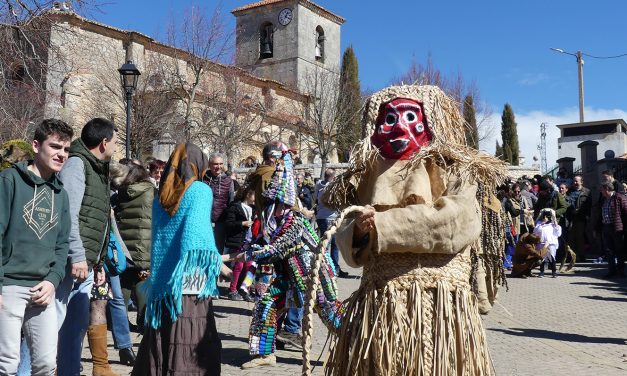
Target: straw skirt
(414, 314)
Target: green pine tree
(507, 154)
(509, 135)
(349, 105)
(499, 150)
(471, 132)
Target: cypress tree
(471, 131)
(349, 104)
(507, 154)
(499, 150)
(509, 135)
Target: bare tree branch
(203, 41)
(326, 114)
(455, 86)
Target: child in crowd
(549, 232)
(239, 221)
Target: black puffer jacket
(134, 214)
(234, 215)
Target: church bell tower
(284, 40)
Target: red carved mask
(401, 129)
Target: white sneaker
(259, 361)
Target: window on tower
(319, 44)
(266, 40)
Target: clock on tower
(285, 16)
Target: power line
(604, 57)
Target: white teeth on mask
(420, 128)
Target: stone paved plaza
(571, 325)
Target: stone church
(278, 42)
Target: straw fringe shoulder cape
(415, 312)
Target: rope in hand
(312, 286)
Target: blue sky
(502, 45)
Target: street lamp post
(579, 58)
(129, 75)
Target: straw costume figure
(526, 257)
(288, 241)
(428, 234)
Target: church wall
(83, 78)
(83, 81)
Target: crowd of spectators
(581, 226)
(88, 211)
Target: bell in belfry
(266, 51)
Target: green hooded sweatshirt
(34, 228)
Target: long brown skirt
(189, 346)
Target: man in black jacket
(304, 193)
(578, 214)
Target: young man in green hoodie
(34, 233)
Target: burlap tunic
(414, 312)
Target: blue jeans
(72, 306)
(73, 316)
(323, 226)
(119, 316)
(291, 321)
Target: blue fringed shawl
(181, 245)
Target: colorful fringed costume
(436, 243)
(290, 242)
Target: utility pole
(579, 57)
(580, 71)
(542, 148)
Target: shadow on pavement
(604, 298)
(297, 361)
(606, 284)
(568, 337)
(231, 337)
(232, 310)
(235, 356)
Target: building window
(319, 44)
(266, 40)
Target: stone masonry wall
(85, 82)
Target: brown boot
(97, 335)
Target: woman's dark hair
(512, 190)
(96, 130)
(136, 174)
(243, 192)
(545, 215)
(155, 165)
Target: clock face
(285, 16)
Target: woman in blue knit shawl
(181, 335)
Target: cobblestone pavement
(570, 325)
